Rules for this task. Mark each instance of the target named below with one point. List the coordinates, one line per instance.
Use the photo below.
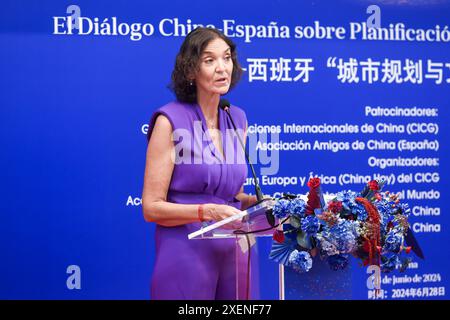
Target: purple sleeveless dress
(198, 269)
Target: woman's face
(215, 69)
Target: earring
(191, 83)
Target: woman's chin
(223, 90)
(219, 90)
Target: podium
(319, 283)
(252, 223)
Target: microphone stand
(259, 196)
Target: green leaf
(304, 240)
(295, 222)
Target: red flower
(314, 183)
(313, 197)
(278, 236)
(366, 246)
(373, 185)
(335, 206)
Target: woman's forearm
(173, 214)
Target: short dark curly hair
(187, 62)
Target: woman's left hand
(248, 202)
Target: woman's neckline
(219, 154)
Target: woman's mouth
(222, 81)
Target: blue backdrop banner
(348, 91)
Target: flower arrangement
(371, 225)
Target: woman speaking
(189, 180)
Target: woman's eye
(228, 58)
(208, 61)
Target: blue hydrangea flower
(300, 261)
(358, 209)
(393, 242)
(297, 207)
(343, 235)
(389, 262)
(386, 212)
(404, 207)
(346, 197)
(310, 225)
(385, 207)
(361, 213)
(350, 205)
(325, 246)
(281, 208)
(338, 261)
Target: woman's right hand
(218, 212)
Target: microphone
(224, 104)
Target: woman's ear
(191, 77)
(191, 80)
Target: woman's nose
(220, 66)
